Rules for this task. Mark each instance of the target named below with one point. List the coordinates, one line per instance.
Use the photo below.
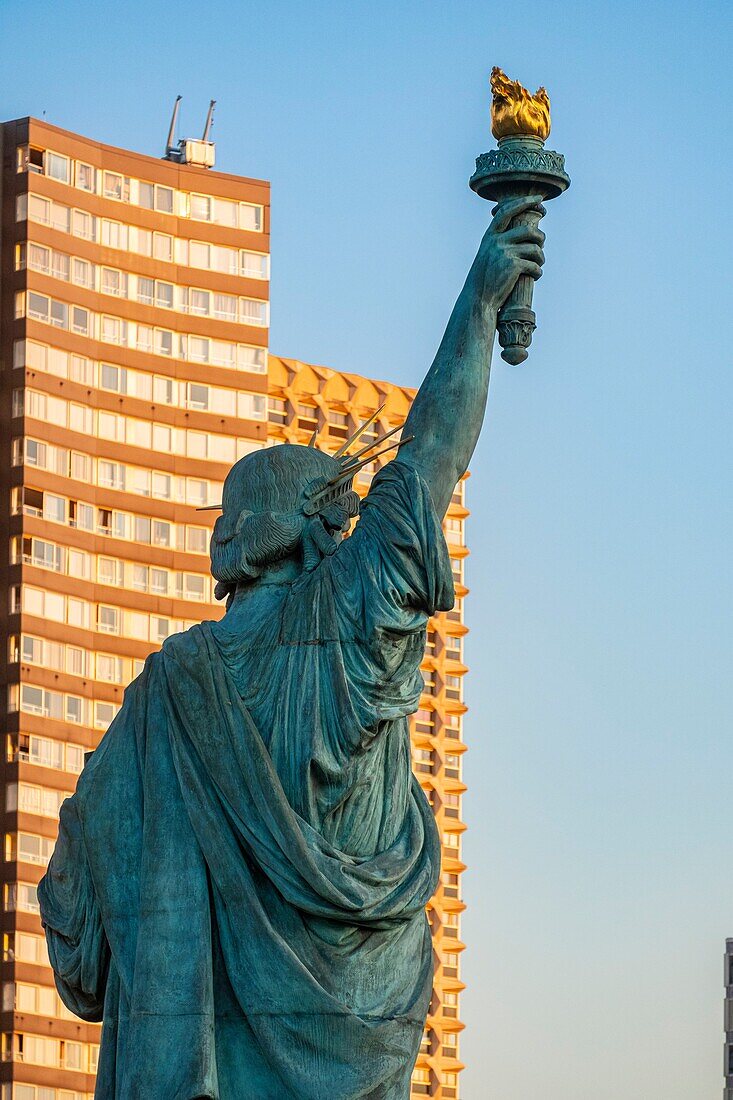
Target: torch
(520, 166)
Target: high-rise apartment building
(728, 1020)
(133, 373)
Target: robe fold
(239, 885)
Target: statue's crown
(279, 472)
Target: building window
(114, 330)
(145, 290)
(425, 721)
(81, 419)
(60, 266)
(161, 533)
(453, 688)
(252, 359)
(198, 396)
(193, 587)
(141, 241)
(197, 540)
(452, 841)
(423, 759)
(84, 274)
(307, 417)
(104, 714)
(114, 282)
(198, 349)
(21, 897)
(162, 247)
(276, 410)
(164, 295)
(200, 207)
(84, 225)
(163, 199)
(223, 353)
(250, 217)
(114, 234)
(254, 265)
(338, 425)
(421, 1082)
(85, 177)
(163, 342)
(158, 580)
(21, 207)
(454, 530)
(225, 307)
(199, 302)
(450, 884)
(39, 307)
(57, 167)
(225, 213)
(29, 159)
(253, 312)
(116, 187)
(199, 254)
(108, 620)
(30, 848)
(144, 337)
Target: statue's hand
(506, 253)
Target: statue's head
(281, 502)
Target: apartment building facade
(134, 313)
(728, 1020)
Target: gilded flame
(515, 111)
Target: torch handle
(517, 320)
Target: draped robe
(239, 885)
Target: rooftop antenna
(209, 120)
(200, 153)
(171, 152)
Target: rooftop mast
(199, 153)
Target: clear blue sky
(600, 769)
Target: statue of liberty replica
(239, 886)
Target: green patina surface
(239, 886)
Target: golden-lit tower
(134, 373)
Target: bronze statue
(239, 886)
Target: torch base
(520, 166)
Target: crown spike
(313, 438)
(375, 443)
(350, 471)
(358, 433)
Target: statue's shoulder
(192, 653)
(188, 643)
(398, 489)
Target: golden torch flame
(516, 112)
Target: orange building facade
(134, 370)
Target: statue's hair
(273, 479)
(242, 546)
(262, 520)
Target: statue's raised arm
(240, 884)
(448, 411)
